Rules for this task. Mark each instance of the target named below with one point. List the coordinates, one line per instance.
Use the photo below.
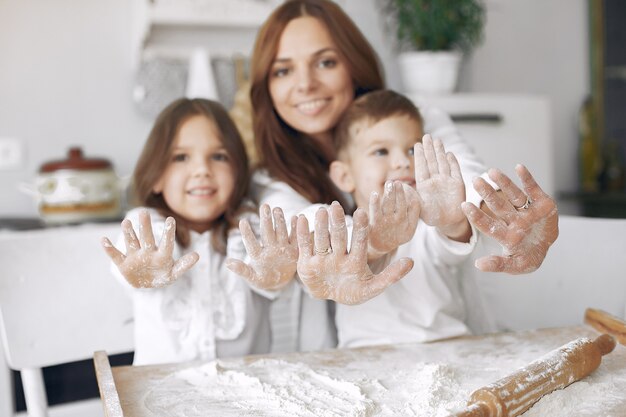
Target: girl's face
(309, 81)
(199, 179)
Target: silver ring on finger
(523, 206)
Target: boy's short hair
(373, 107)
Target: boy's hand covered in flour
(146, 265)
(393, 218)
(330, 271)
(441, 189)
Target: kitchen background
(69, 70)
(67, 77)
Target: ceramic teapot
(77, 189)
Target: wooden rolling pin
(516, 393)
(606, 323)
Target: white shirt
(311, 320)
(208, 312)
(427, 304)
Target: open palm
(439, 184)
(393, 218)
(525, 222)
(329, 271)
(146, 265)
(273, 257)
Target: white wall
(531, 46)
(538, 47)
(65, 76)
(65, 80)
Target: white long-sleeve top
(310, 323)
(426, 305)
(208, 312)
(312, 320)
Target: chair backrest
(586, 267)
(58, 300)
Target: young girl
(191, 179)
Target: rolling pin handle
(605, 344)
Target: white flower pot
(426, 72)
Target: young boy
(375, 143)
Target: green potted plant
(432, 35)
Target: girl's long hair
(289, 155)
(157, 153)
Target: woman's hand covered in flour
(329, 271)
(525, 222)
(274, 257)
(440, 188)
(393, 218)
(146, 265)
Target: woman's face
(309, 81)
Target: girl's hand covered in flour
(393, 218)
(329, 271)
(440, 188)
(526, 222)
(274, 258)
(146, 265)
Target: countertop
(21, 223)
(35, 223)
(432, 379)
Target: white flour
(278, 388)
(342, 384)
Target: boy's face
(377, 153)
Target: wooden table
(430, 379)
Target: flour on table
(278, 388)
(387, 382)
(271, 387)
(583, 396)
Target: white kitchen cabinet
(584, 267)
(504, 130)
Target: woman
(309, 63)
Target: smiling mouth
(202, 192)
(312, 107)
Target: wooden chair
(584, 268)
(59, 303)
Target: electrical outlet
(11, 153)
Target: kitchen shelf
(184, 15)
(229, 14)
(598, 204)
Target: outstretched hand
(273, 258)
(146, 265)
(329, 271)
(525, 222)
(440, 188)
(393, 218)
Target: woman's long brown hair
(289, 155)
(157, 153)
